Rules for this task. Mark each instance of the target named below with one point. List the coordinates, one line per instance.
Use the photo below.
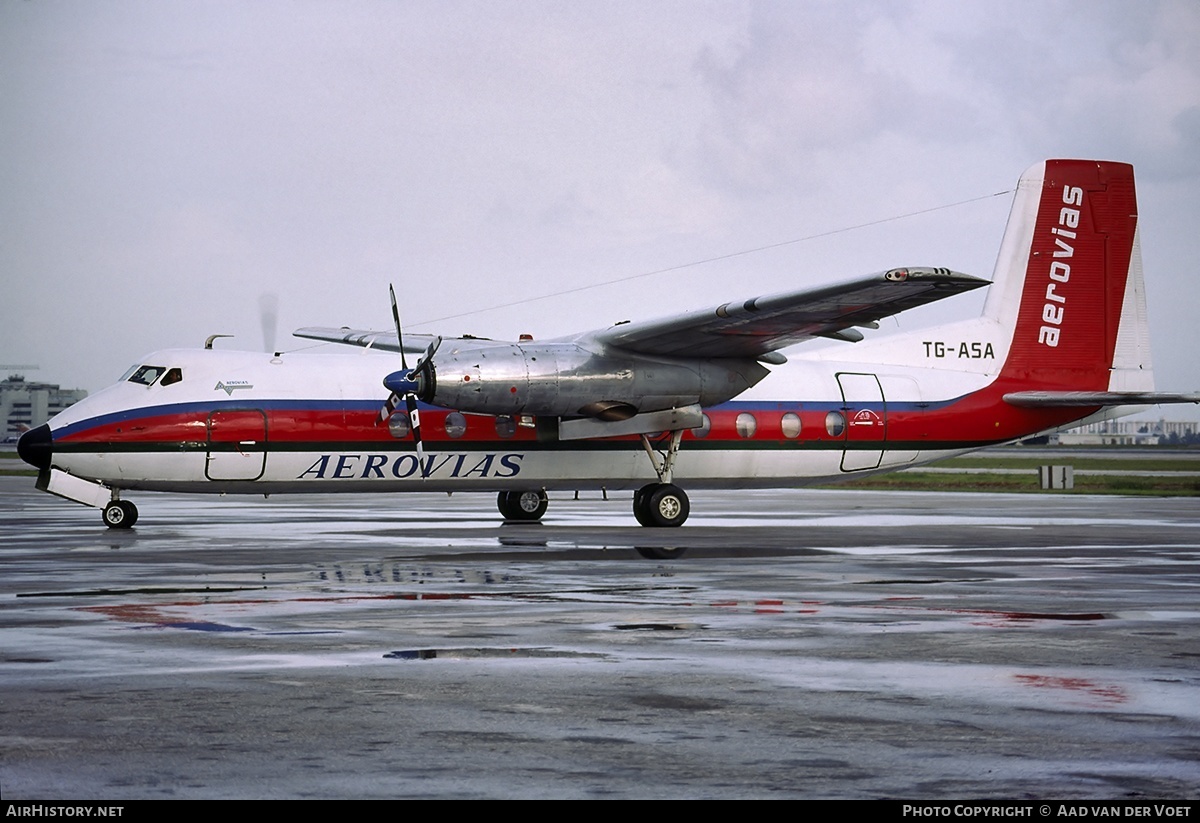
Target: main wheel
(639, 504)
(527, 505)
(120, 514)
(661, 505)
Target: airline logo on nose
(232, 386)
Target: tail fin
(1068, 282)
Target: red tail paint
(1075, 278)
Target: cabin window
(456, 425)
(701, 431)
(173, 375)
(146, 375)
(835, 423)
(790, 425)
(745, 424)
(506, 427)
(398, 424)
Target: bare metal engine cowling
(566, 379)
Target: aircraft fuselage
(242, 422)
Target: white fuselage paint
(354, 380)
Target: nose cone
(402, 382)
(36, 447)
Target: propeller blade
(268, 314)
(414, 420)
(404, 384)
(428, 355)
(394, 398)
(399, 333)
(390, 406)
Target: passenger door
(237, 444)
(866, 421)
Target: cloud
(165, 165)
(1100, 79)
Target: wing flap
(764, 324)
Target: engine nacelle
(567, 380)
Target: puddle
(199, 626)
(480, 653)
(111, 592)
(657, 627)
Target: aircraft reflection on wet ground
(809, 644)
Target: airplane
(703, 398)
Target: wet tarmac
(842, 644)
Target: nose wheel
(120, 514)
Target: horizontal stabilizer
(1088, 399)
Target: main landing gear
(657, 505)
(661, 504)
(526, 506)
(120, 514)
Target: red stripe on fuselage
(979, 417)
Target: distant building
(25, 405)
(1131, 433)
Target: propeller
(268, 314)
(405, 385)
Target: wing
(763, 324)
(381, 340)
(750, 328)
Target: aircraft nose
(36, 447)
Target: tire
(120, 514)
(526, 506)
(661, 505)
(639, 504)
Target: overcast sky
(169, 168)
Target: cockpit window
(146, 375)
(173, 375)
